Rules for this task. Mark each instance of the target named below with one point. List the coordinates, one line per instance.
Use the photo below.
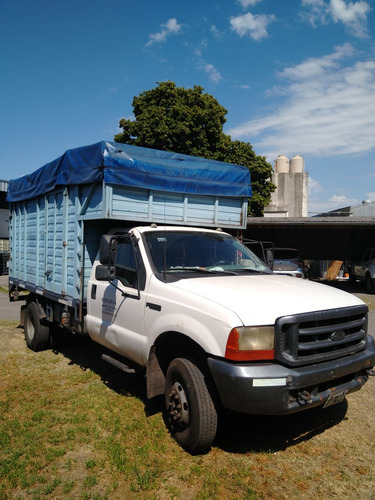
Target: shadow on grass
(240, 433)
(86, 354)
(237, 433)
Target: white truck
(120, 243)
(364, 270)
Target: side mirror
(108, 249)
(105, 273)
(269, 258)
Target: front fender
(208, 332)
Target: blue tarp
(134, 166)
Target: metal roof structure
(311, 221)
(328, 238)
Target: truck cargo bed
(59, 211)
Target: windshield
(187, 251)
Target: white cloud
(353, 15)
(170, 27)
(329, 109)
(216, 32)
(370, 196)
(314, 186)
(248, 3)
(213, 74)
(253, 25)
(340, 199)
(317, 67)
(316, 12)
(333, 203)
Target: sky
(297, 77)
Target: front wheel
(191, 413)
(37, 334)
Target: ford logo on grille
(339, 335)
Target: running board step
(118, 364)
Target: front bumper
(272, 389)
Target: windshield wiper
(252, 271)
(197, 269)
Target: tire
(191, 413)
(369, 284)
(37, 334)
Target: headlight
(251, 343)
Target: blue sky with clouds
(296, 76)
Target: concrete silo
(282, 165)
(291, 196)
(297, 164)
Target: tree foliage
(191, 122)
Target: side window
(126, 270)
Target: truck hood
(261, 299)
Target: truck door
(116, 310)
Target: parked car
(287, 261)
(364, 270)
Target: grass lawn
(72, 426)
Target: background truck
(364, 270)
(121, 243)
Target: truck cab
(207, 318)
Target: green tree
(191, 122)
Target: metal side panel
(232, 212)
(174, 208)
(64, 244)
(73, 247)
(25, 242)
(13, 224)
(55, 266)
(30, 239)
(41, 241)
(46, 241)
(92, 201)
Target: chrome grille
(309, 338)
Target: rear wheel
(191, 413)
(37, 334)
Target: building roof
(312, 221)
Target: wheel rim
(178, 406)
(30, 330)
